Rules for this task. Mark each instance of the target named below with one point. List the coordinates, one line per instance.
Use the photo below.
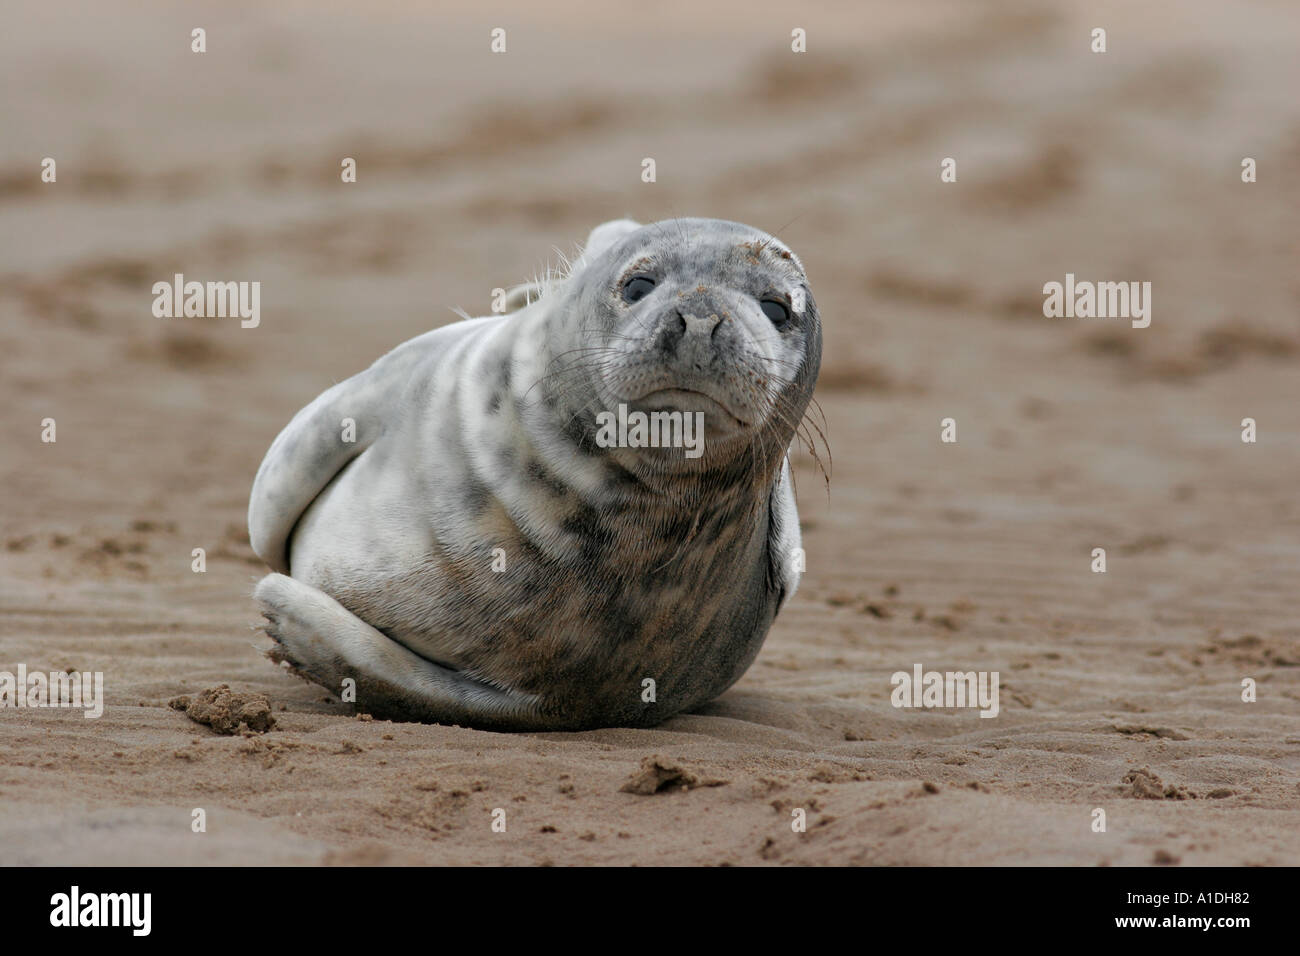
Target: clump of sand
(226, 711)
(1147, 786)
(657, 775)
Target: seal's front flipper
(326, 643)
(328, 434)
(784, 542)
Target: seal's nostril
(672, 332)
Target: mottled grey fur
(621, 564)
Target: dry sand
(1073, 434)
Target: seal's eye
(776, 311)
(637, 288)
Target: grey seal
(478, 551)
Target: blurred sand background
(472, 168)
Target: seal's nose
(688, 339)
(701, 326)
(685, 330)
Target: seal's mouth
(678, 399)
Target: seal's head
(694, 316)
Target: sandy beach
(1119, 691)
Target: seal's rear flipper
(327, 644)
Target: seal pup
(481, 553)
